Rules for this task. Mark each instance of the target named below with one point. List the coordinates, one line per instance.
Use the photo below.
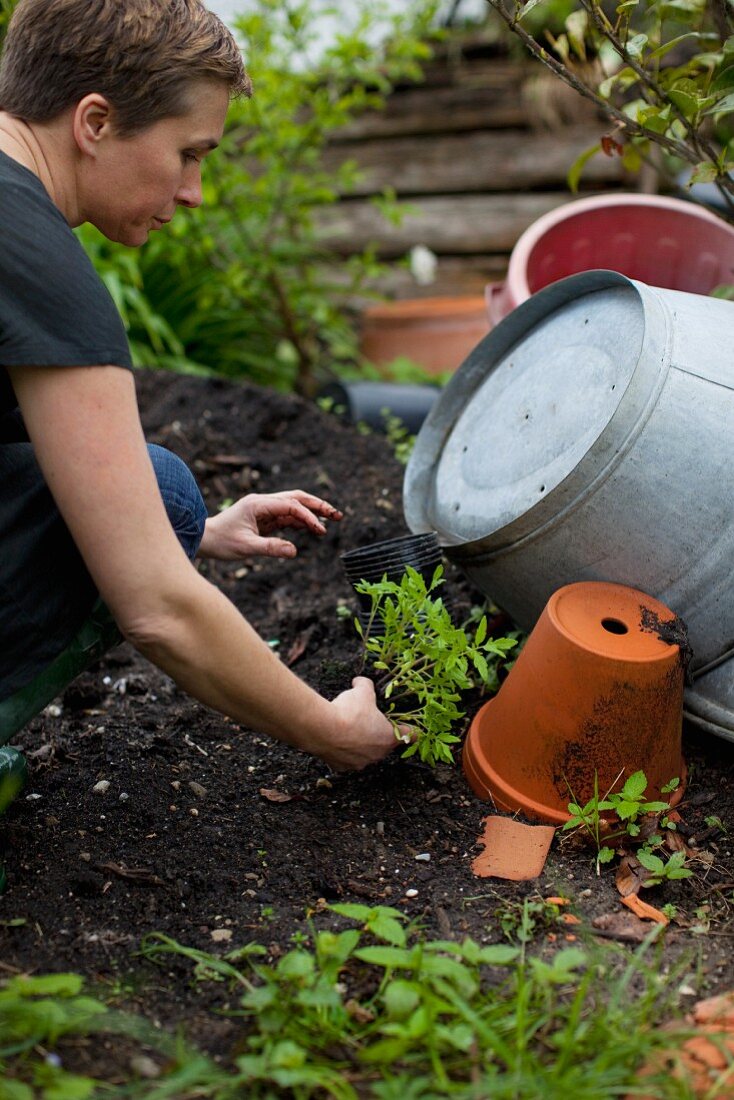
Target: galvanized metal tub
(589, 437)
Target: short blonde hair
(142, 55)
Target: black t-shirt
(54, 309)
(54, 312)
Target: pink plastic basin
(660, 241)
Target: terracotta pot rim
(509, 799)
(505, 797)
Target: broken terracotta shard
(512, 850)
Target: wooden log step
(508, 160)
(490, 99)
(468, 224)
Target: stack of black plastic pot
(390, 559)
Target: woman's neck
(37, 148)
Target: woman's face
(135, 183)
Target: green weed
(38, 1011)
(374, 1011)
(638, 818)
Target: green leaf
(527, 7)
(575, 172)
(353, 911)
(635, 786)
(47, 985)
(620, 81)
(722, 106)
(295, 965)
(16, 1090)
(401, 997)
(666, 47)
(650, 862)
(389, 957)
(676, 860)
(636, 45)
(498, 954)
(388, 928)
(605, 855)
(705, 172)
(688, 104)
(626, 810)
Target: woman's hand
(244, 529)
(364, 735)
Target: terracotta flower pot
(437, 333)
(596, 689)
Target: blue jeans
(49, 595)
(184, 504)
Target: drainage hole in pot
(457, 507)
(542, 488)
(615, 626)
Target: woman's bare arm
(85, 427)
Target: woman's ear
(92, 122)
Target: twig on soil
(192, 745)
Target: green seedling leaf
(392, 958)
(627, 810)
(671, 786)
(650, 862)
(635, 786)
(401, 998)
(606, 855)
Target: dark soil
(186, 839)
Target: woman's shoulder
(23, 196)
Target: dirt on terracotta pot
(208, 827)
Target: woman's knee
(181, 496)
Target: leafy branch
(680, 105)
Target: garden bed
(207, 829)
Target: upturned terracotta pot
(436, 333)
(597, 689)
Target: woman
(107, 110)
